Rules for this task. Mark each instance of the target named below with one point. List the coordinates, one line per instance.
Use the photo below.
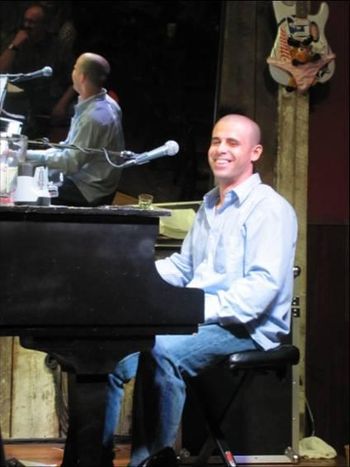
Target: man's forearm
(6, 59)
(8, 55)
(36, 156)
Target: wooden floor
(48, 454)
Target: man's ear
(256, 152)
(82, 78)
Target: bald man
(89, 179)
(240, 251)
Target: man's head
(90, 73)
(235, 146)
(34, 22)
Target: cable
(310, 418)
(46, 142)
(8, 114)
(112, 163)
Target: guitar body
(301, 56)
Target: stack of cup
(13, 150)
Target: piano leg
(88, 363)
(87, 397)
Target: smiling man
(235, 145)
(240, 251)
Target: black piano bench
(278, 360)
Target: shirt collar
(243, 190)
(240, 192)
(84, 103)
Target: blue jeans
(159, 393)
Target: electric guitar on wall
(301, 56)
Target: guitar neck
(301, 9)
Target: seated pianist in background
(97, 123)
(240, 252)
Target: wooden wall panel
(6, 344)
(266, 109)
(327, 344)
(33, 396)
(27, 400)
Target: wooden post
(291, 182)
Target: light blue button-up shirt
(97, 123)
(242, 256)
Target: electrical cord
(129, 158)
(310, 418)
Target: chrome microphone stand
(127, 157)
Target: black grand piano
(81, 285)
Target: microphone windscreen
(47, 71)
(172, 148)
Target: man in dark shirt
(43, 100)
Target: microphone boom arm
(45, 72)
(170, 148)
(122, 154)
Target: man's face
(77, 75)
(34, 23)
(232, 151)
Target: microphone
(43, 73)
(170, 148)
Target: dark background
(164, 59)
